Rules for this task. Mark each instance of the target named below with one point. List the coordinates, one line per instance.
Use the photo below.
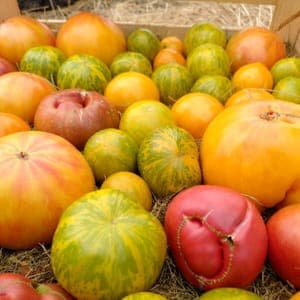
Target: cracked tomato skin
(216, 236)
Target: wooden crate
(285, 21)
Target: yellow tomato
(129, 87)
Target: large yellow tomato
(254, 148)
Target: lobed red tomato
(217, 237)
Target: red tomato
(75, 114)
(217, 237)
(255, 44)
(284, 243)
(15, 286)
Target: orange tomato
(129, 87)
(168, 55)
(90, 33)
(10, 123)
(172, 42)
(194, 111)
(248, 94)
(254, 75)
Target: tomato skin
(90, 33)
(239, 150)
(284, 243)
(20, 33)
(14, 286)
(269, 47)
(212, 231)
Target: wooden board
(8, 8)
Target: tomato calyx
(23, 155)
(270, 115)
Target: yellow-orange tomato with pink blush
(21, 93)
(41, 174)
(20, 33)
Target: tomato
(15, 286)
(75, 114)
(216, 236)
(10, 123)
(253, 75)
(194, 111)
(249, 94)
(6, 66)
(19, 33)
(253, 147)
(168, 55)
(255, 44)
(41, 174)
(90, 33)
(284, 243)
(21, 93)
(129, 87)
(172, 42)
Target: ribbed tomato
(253, 147)
(40, 175)
(217, 237)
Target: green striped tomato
(218, 86)
(131, 61)
(83, 71)
(168, 160)
(173, 81)
(106, 246)
(43, 60)
(145, 41)
(109, 151)
(202, 33)
(142, 117)
(208, 59)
